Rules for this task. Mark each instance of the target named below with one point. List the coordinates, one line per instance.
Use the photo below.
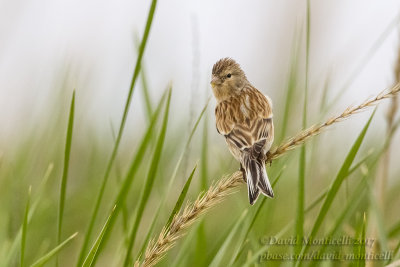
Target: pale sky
(94, 40)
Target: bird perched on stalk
(244, 116)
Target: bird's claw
(268, 158)
(243, 173)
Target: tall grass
(141, 215)
(121, 129)
(24, 228)
(149, 180)
(67, 153)
(302, 159)
(337, 182)
(223, 188)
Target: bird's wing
(261, 118)
(225, 117)
(245, 119)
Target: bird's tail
(256, 177)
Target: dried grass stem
(301, 137)
(191, 212)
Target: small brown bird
(244, 116)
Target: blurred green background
(312, 58)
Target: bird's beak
(214, 81)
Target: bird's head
(227, 78)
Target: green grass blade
(142, 47)
(323, 194)
(254, 216)
(255, 259)
(361, 250)
(325, 92)
(149, 181)
(181, 198)
(264, 200)
(316, 201)
(93, 251)
(197, 123)
(217, 243)
(17, 240)
(24, 228)
(178, 164)
(43, 260)
(120, 131)
(204, 157)
(340, 177)
(149, 233)
(187, 243)
(118, 174)
(357, 234)
(64, 178)
(258, 253)
(337, 183)
(173, 176)
(299, 231)
(146, 94)
(133, 168)
(291, 87)
(201, 238)
(313, 204)
(377, 213)
(217, 260)
(145, 85)
(176, 209)
(396, 251)
(136, 162)
(358, 164)
(201, 244)
(350, 208)
(395, 230)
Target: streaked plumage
(244, 116)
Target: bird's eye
(229, 75)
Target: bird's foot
(268, 158)
(243, 173)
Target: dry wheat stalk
(168, 236)
(301, 137)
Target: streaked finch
(244, 116)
